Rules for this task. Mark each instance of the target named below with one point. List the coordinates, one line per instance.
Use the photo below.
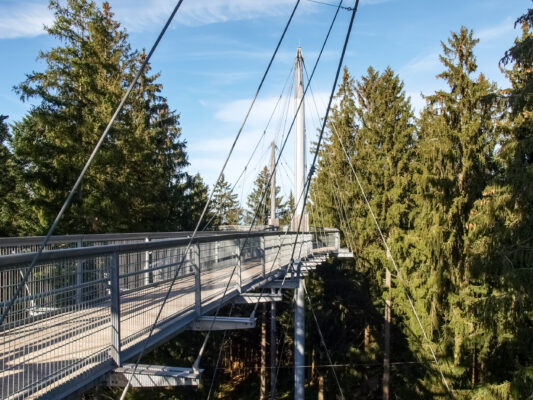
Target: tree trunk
(367, 337)
(320, 387)
(263, 389)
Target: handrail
(86, 252)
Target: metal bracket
(253, 298)
(208, 322)
(154, 376)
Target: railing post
(239, 270)
(79, 276)
(197, 280)
(280, 252)
(263, 256)
(147, 264)
(115, 309)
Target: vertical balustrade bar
(263, 257)
(239, 261)
(147, 262)
(197, 279)
(115, 309)
(79, 277)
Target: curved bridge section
(91, 300)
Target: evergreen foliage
(137, 177)
(261, 191)
(225, 205)
(10, 186)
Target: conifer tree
(187, 210)
(454, 163)
(136, 178)
(9, 184)
(325, 188)
(288, 210)
(498, 254)
(225, 205)
(260, 191)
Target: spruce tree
(137, 176)
(225, 205)
(454, 163)
(261, 190)
(498, 244)
(10, 185)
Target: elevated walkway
(96, 304)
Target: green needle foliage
(262, 186)
(452, 194)
(225, 206)
(137, 177)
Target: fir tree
(225, 205)
(288, 210)
(10, 186)
(137, 176)
(455, 162)
(498, 254)
(261, 190)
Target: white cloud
(208, 154)
(429, 62)
(139, 15)
(19, 19)
(496, 32)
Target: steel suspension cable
(270, 178)
(259, 141)
(332, 94)
(389, 254)
(209, 199)
(67, 202)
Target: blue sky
(212, 59)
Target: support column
(299, 341)
(273, 221)
(386, 350)
(273, 348)
(299, 161)
(147, 265)
(263, 255)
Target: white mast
(300, 151)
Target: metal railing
(85, 310)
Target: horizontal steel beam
(253, 298)
(209, 322)
(280, 284)
(154, 376)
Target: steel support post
(147, 266)
(115, 309)
(79, 276)
(299, 341)
(273, 347)
(197, 280)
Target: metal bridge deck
(66, 331)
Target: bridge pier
(299, 340)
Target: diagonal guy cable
(332, 94)
(389, 253)
(207, 205)
(202, 349)
(86, 167)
